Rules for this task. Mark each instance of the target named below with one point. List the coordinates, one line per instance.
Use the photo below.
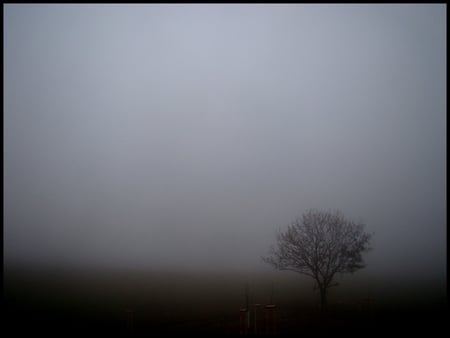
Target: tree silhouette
(320, 245)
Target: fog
(183, 137)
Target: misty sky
(186, 135)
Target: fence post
(255, 318)
(270, 319)
(130, 321)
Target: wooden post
(270, 319)
(130, 321)
(243, 322)
(255, 318)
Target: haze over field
(183, 136)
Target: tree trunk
(323, 298)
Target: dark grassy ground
(58, 302)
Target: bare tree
(320, 245)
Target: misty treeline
(321, 245)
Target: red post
(243, 322)
(270, 319)
(130, 320)
(255, 318)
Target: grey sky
(185, 135)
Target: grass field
(62, 302)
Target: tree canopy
(321, 245)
